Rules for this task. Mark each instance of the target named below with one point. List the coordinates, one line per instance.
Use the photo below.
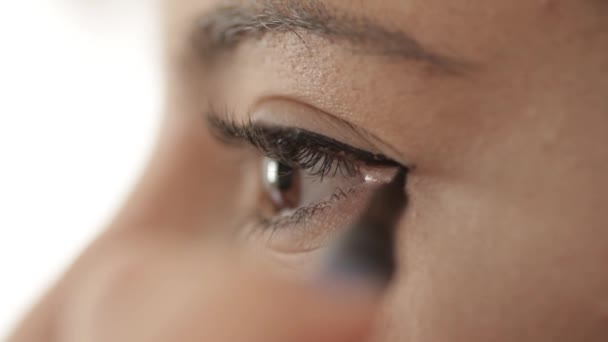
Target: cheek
(474, 266)
(130, 287)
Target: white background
(80, 100)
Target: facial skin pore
(500, 107)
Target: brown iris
(283, 184)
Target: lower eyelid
(300, 215)
(318, 223)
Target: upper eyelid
(300, 154)
(231, 132)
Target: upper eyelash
(319, 155)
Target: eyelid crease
(292, 111)
(324, 123)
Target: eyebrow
(226, 27)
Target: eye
(290, 188)
(309, 186)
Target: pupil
(284, 177)
(282, 184)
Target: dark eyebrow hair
(225, 27)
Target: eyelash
(318, 156)
(302, 214)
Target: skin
(504, 238)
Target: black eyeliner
(305, 137)
(297, 147)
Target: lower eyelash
(298, 217)
(302, 215)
